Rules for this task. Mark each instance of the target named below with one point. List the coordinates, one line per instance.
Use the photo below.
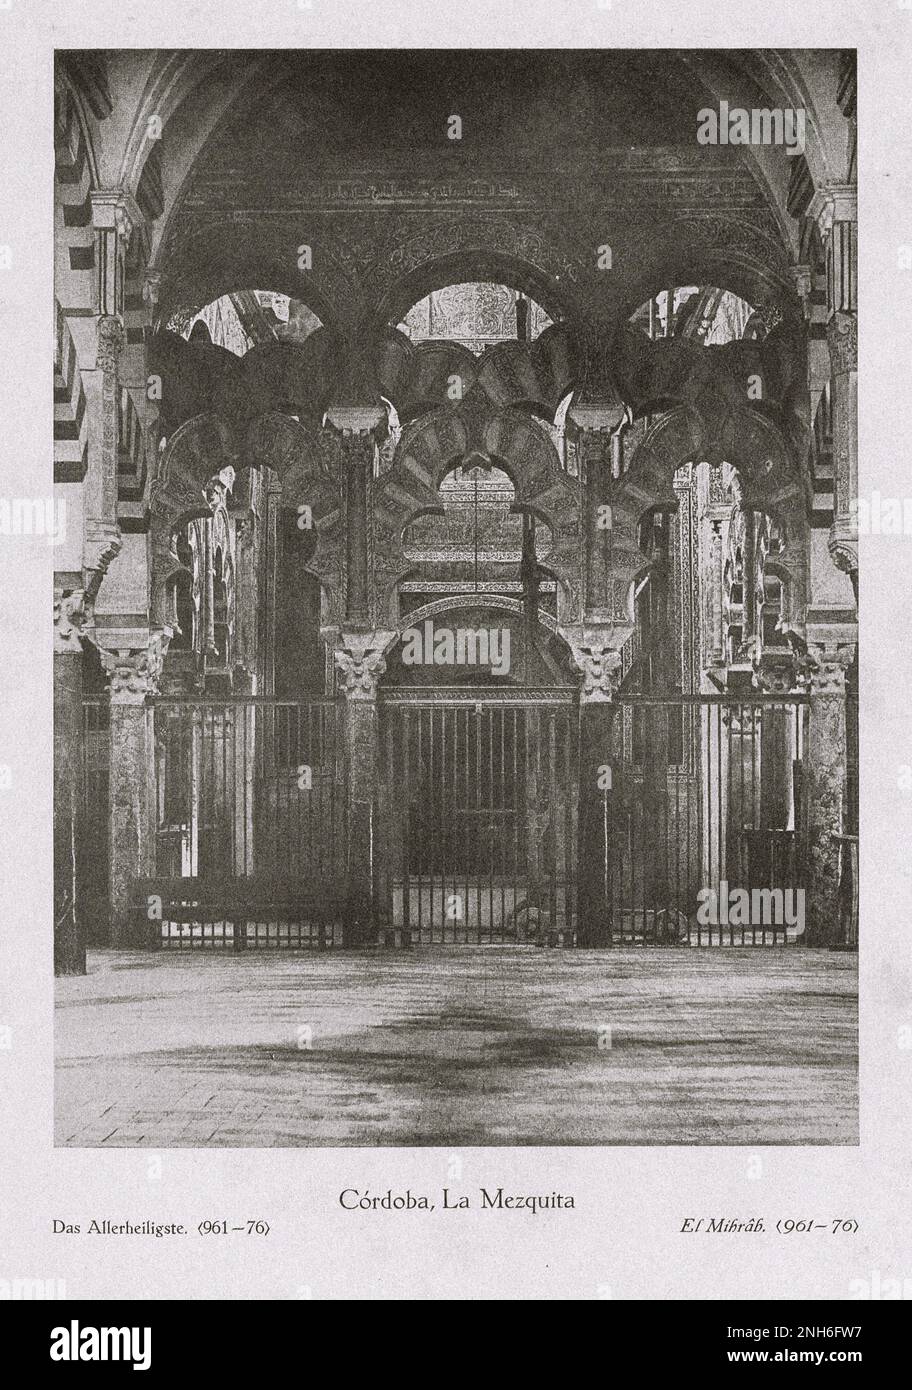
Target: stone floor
(466, 1045)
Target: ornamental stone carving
(595, 653)
(361, 659)
(825, 665)
(74, 612)
(69, 622)
(135, 672)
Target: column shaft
(69, 923)
(826, 764)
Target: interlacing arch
(206, 448)
(431, 447)
(762, 478)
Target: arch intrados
(464, 267)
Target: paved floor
(489, 1045)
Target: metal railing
(703, 836)
(250, 812)
(476, 816)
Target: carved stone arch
(197, 452)
(770, 482)
(453, 603)
(221, 536)
(422, 377)
(293, 377)
(763, 475)
(675, 439)
(193, 274)
(513, 374)
(543, 487)
(447, 250)
(426, 451)
(753, 444)
(197, 378)
(417, 376)
(790, 564)
(308, 466)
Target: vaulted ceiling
(560, 153)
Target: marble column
(69, 925)
(360, 658)
(134, 674)
(825, 783)
(595, 656)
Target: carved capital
(358, 451)
(135, 672)
(356, 419)
(596, 656)
(361, 659)
(114, 210)
(775, 672)
(836, 202)
(825, 666)
(598, 417)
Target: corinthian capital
(135, 672)
(361, 659)
(826, 664)
(595, 654)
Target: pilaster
(835, 208)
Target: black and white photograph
(455, 742)
(456, 656)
